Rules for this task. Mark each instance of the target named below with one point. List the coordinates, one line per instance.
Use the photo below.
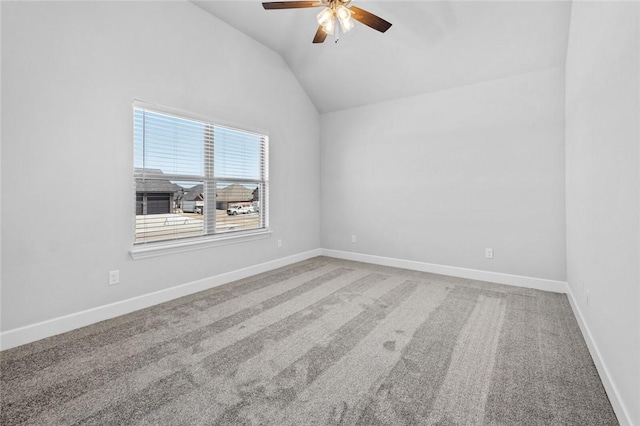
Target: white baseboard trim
(454, 271)
(41, 330)
(31, 333)
(612, 391)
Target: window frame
(210, 180)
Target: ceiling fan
(334, 10)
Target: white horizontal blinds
(188, 172)
(170, 145)
(240, 173)
(238, 154)
(169, 170)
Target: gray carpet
(321, 342)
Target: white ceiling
(431, 45)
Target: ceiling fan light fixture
(325, 16)
(344, 17)
(329, 27)
(327, 20)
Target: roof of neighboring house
(194, 193)
(153, 185)
(234, 192)
(154, 181)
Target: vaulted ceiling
(432, 45)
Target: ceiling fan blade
(369, 19)
(320, 36)
(290, 4)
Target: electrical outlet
(353, 238)
(279, 243)
(114, 277)
(488, 253)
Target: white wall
(439, 177)
(602, 163)
(70, 73)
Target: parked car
(240, 210)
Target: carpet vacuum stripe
(518, 379)
(463, 394)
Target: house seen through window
(194, 178)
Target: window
(195, 179)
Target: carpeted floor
(320, 342)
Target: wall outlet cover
(114, 277)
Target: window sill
(164, 248)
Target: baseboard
(474, 274)
(612, 391)
(41, 330)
